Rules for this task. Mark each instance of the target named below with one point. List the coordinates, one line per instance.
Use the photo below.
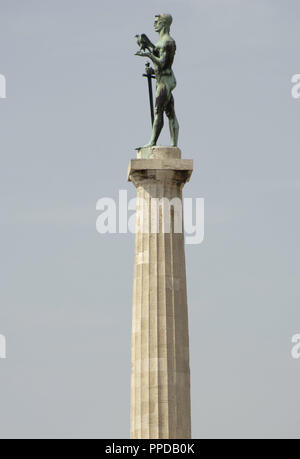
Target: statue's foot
(148, 145)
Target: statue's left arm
(159, 60)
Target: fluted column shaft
(160, 373)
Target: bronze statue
(162, 55)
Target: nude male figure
(162, 55)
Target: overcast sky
(76, 108)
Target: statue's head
(163, 22)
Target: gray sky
(76, 108)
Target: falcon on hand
(144, 43)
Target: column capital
(172, 170)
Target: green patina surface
(162, 56)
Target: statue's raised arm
(162, 55)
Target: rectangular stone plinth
(157, 152)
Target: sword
(149, 75)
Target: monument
(160, 372)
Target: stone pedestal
(160, 373)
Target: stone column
(160, 373)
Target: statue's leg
(160, 103)
(173, 122)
